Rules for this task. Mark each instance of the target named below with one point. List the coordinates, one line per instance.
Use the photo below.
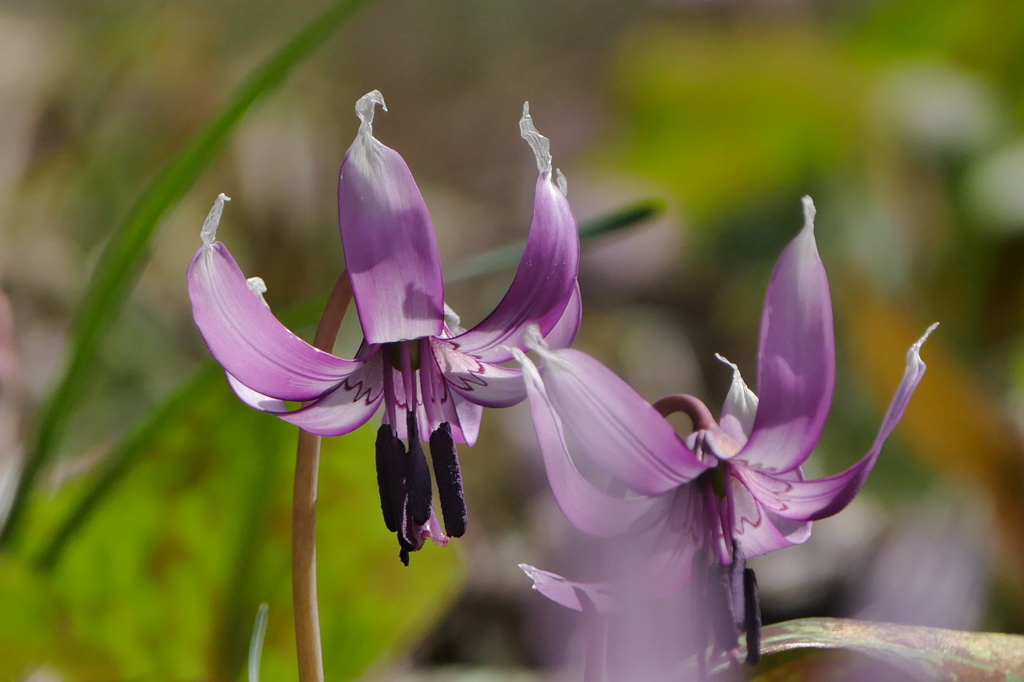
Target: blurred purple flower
(432, 377)
(732, 489)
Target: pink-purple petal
(347, 407)
(615, 426)
(542, 286)
(564, 332)
(756, 529)
(813, 500)
(589, 509)
(248, 341)
(390, 248)
(796, 358)
(479, 382)
(601, 596)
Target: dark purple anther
(391, 467)
(752, 617)
(420, 489)
(449, 480)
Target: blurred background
(904, 119)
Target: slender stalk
(307, 468)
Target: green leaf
(923, 653)
(126, 252)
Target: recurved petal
(812, 500)
(546, 276)
(390, 247)
(348, 406)
(615, 426)
(589, 509)
(248, 341)
(598, 597)
(796, 358)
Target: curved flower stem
(307, 468)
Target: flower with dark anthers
(431, 376)
(730, 490)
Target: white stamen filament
(541, 145)
(209, 231)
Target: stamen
(448, 475)
(420, 488)
(752, 616)
(541, 145)
(391, 467)
(209, 231)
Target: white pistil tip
(809, 212)
(209, 231)
(541, 145)
(258, 287)
(365, 108)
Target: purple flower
(732, 489)
(432, 377)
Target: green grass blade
(508, 256)
(126, 253)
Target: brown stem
(307, 467)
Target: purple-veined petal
(567, 592)
(546, 276)
(348, 406)
(821, 498)
(796, 358)
(756, 529)
(740, 407)
(390, 247)
(479, 382)
(245, 337)
(589, 509)
(614, 425)
(564, 332)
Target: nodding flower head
(732, 488)
(432, 377)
